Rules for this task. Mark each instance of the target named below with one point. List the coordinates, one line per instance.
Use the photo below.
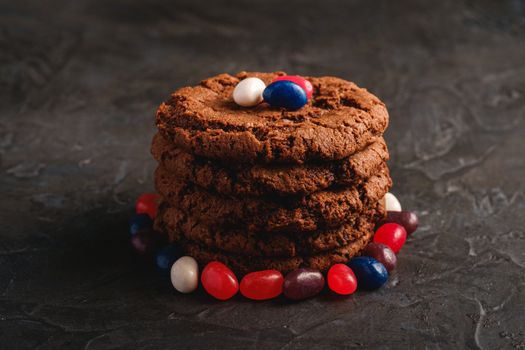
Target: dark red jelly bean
(147, 204)
(393, 235)
(219, 281)
(303, 283)
(407, 219)
(262, 285)
(341, 279)
(382, 253)
(147, 242)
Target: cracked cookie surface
(319, 210)
(340, 119)
(180, 227)
(279, 179)
(242, 264)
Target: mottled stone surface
(79, 84)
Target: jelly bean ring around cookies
(369, 271)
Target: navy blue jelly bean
(370, 273)
(140, 222)
(285, 94)
(167, 256)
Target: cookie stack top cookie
(265, 187)
(340, 119)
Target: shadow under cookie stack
(265, 188)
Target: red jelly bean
(393, 235)
(262, 285)
(341, 279)
(219, 281)
(302, 82)
(382, 253)
(147, 204)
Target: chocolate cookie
(340, 119)
(243, 264)
(181, 227)
(257, 180)
(317, 211)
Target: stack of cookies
(264, 188)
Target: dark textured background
(79, 85)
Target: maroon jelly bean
(147, 242)
(407, 219)
(303, 283)
(382, 253)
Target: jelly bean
(140, 222)
(407, 219)
(393, 235)
(391, 202)
(370, 273)
(262, 285)
(303, 283)
(147, 203)
(285, 94)
(167, 255)
(302, 82)
(382, 253)
(147, 242)
(185, 274)
(249, 92)
(341, 279)
(219, 281)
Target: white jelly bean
(185, 274)
(391, 202)
(248, 92)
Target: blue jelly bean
(167, 256)
(370, 273)
(285, 94)
(140, 222)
